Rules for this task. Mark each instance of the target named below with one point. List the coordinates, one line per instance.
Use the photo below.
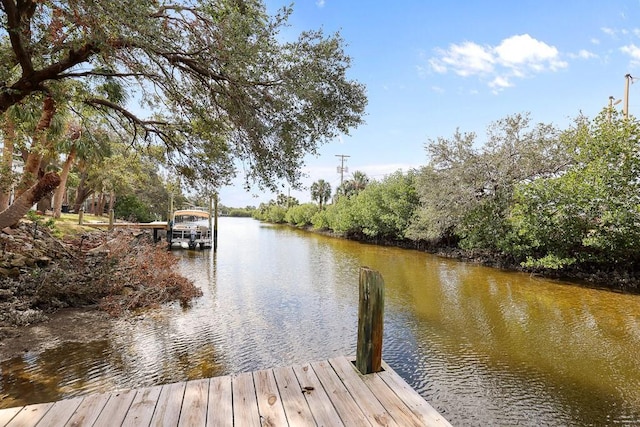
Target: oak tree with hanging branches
(214, 83)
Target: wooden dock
(328, 393)
(158, 225)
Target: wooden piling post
(215, 223)
(370, 319)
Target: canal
(483, 346)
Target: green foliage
(543, 198)
(340, 217)
(466, 191)
(321, 192)
(382, 210)
(7, 177)
(358, 182)
(286, 201)
(219, 81)
(240, 212)
(271, 212)
(549, 261)
(133, 209)
(40, 221)
(276, 214)
(301, 215)
(385, 209)
(485, 226)
(591, 213)
(320, 221)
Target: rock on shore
(40, 273)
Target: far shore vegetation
(564, 203)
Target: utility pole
(627, 79)
(341, 168)
(611, 104)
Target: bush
(132, 209)
(301, 215)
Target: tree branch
(102, 74)
(14, 20)
(123, 111)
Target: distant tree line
(533, 194)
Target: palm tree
(353, 186)
(359, 181)
(320, 191)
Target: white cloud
(595, 41)
(608, 31)
(464, 59)
(525, 51)
(519, 56)
(437, 89)
(633, 51)
(500, 83)
(583, 54)
(320, 3)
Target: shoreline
(616, 280)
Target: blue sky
(433, 66)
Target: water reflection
(486, 347)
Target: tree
(466, 192)
(385, 209)
(320, 192)
(7, 178)
(286, 201)
(216, 80)
(590, 214)
(30, 196)
(353, 186)
(301, 215)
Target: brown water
(485, 347)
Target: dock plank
(194, 404)
(89, 410)
(169, 404)
(142, 407)
(245, 404)
(321, 407)
(326, 393)
(392, 402)
(269, 402)
(7, 414)
(61, 412)
(349, 411)
(295, 405)
(30, 415)
(220, 411)
(366, 398)
(116, 408)
(420, 407)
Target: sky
(433, 66)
